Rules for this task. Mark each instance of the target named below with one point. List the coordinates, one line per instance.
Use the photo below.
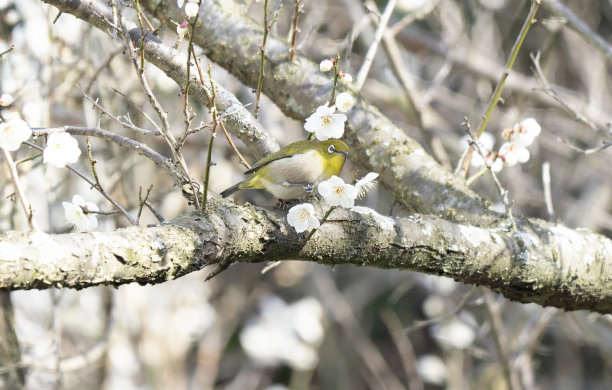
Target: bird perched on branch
(295, 170)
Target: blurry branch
(371, 53)
(578, 25)
(586, 151)
(230, 38)
(404, 347)
(446, 316)
(237, 119)
(501, 340)
(21, 196)
(548, 90)
(463, 60)
(382, 377)
(552, 265)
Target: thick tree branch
(549, 265)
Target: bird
(295, 170)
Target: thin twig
(120, 140)
(371, 53)
(117, 119)
(422, 324)
(501, 340)
(161, 113)
(580, 27)
(7, 51)
(413, 17)
(142, 201)
(186, 108)
(314, 230)
(547, 89)
(586, 151)
(23, 200)
(503, 193)
(213, 133)
(93, 185)
(262, 50)
(404, 347)
(535, 4)
(220, 118)
(294, 27)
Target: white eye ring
(331, 149)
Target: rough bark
(546, 264)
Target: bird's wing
(265, 161)
(289, 151)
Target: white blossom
(338, 193)
(344, 101)
(325, 123)
(77, 213)
(511, 154)
(326, 65)
(13, 132)
(302, 217)
(61, 149)
(347, 78)
(5, 99)
(523, 133)
(432, 369)
(454, 334)
(191, 9)
(180, 3)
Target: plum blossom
(325, 124)
(523, 133)
(302, 217)
(5, 99)
(326, 65)
(13, 132)
(78, 213)
(61, 149)
(338, 193)
(344, 101)
(192, 8)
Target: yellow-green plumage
(295, 169)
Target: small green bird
(295, 170)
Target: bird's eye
(331, 149)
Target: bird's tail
(231, 190)
(250, 182)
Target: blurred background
(301, 325)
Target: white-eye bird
(295, 170)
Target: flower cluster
(513, 151)
(335, 192)
(285, 333)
